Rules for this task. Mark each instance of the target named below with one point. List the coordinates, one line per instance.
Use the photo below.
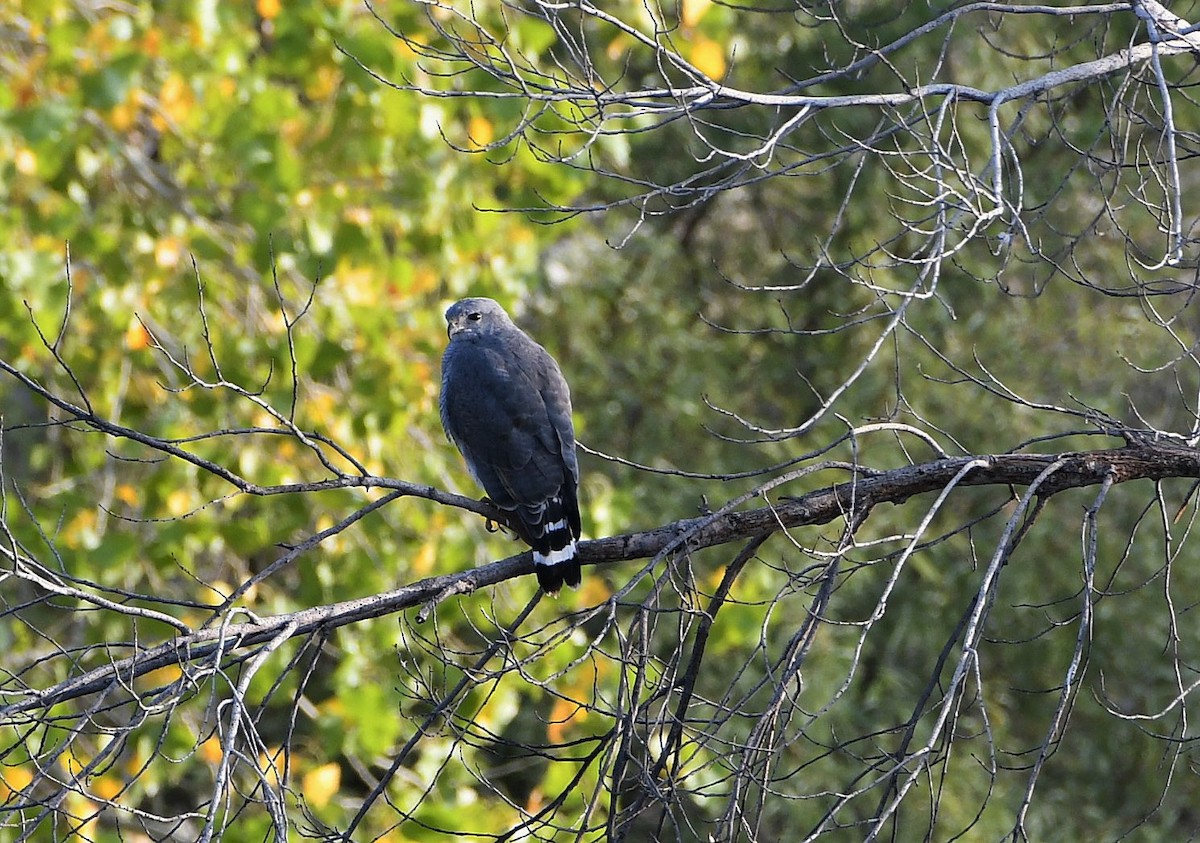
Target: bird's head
(475, 317)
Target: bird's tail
(553, 541)
(557, 567)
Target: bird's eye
(475, 317)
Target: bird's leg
(490, 524)
(500, 527)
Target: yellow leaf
(421, 371)
(176, 98)
(520, 234)
(708, 57)
(14, 780)
(425, 279)
(618, 46)
(293, 130)
(25, 161)
(321, 784)
(80, 807)
(715, 577)
(480, 132)
(123, 116)
(275, 322)
(136, 763)
(322, 407)
(160, 677)
(167, 251)
(75, 765)
(80, 531)
(263, 419)
(358, 285)
(693, 11)
(179, 502)
(324, 83)
(269, 9)
(422, 563)
(26, 93)
(108, 787)
(271, 764)
(409, 46)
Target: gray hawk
(507, 408)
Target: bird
(507, 408)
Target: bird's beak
(452, 328)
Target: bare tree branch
(853, 498)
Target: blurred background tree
(772, 248)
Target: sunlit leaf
(321, 784)
(693, 11)
(708, 56)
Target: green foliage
(241, 197)
(191, 161)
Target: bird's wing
(557, 398)
(497, 416)
(558, 439)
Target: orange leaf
(535, 802)
(480, 132)
(562, 715)
(269, 9)
(108, 787)
(137, 337)
(123, 116)
(210, 750)
(152, 42)
(594, 591)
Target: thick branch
(1142, 461)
